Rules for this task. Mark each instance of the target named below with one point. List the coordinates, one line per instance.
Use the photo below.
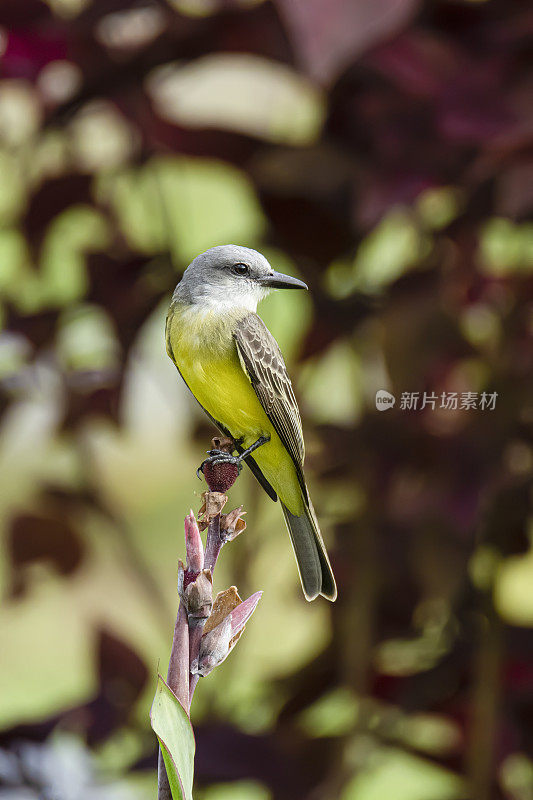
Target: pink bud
(214, 648)
(218, 642)
(193, 544)
(242, 613)
(197, 597)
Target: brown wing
(262, 359)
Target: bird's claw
(219, 457)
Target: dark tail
(315, 570)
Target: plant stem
(195, 638)
(192, 686)
(213, 544)
(185, 650)
(163, 787)
(178, 681)
(178, 666)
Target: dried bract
(232, 524)
(213, 504)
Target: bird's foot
(219, 457)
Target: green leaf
(172, 727)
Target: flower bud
(221, 477)
(197, 596)
(214, 648)
(218, 642)
(242, 613)
(193, 545)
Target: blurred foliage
(382, 151)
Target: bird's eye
(240, 269)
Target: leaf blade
(171, 724)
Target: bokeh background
(379, 150)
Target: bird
(234, 368)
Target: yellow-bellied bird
(234, 368)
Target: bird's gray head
(230, 276)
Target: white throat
(224, 303)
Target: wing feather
(264, 364)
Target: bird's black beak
(277, 280)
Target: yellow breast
(202, 346)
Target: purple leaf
(47, 538)
(328, 35)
